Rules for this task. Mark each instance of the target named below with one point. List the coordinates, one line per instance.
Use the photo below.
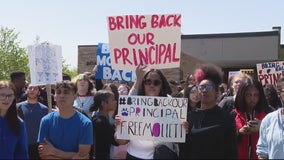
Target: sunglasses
(154, 82)
(205, 87)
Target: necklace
(30, 108)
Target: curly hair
(210, 72)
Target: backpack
(166, 151)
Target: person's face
(251, 97)
(7, 97)
(122, 90)
(152, 84)
(83, 85)
(64, 97)
(111, 103)
(207, 91)
(33, 91)
(20, 82)
(194, 95)
(237, 81)
(191, 80)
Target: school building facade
(230, 51)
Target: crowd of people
(239, 119)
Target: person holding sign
(150, 83)
(212, 131)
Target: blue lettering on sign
(105, 70)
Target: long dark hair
(114, 90)
(271, 95)
(100, 96)
(240, 101)
(186, 94)
(11, 114)
(165, 89)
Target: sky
(69, 23)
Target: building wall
(229, 51)
(86, 58)
(242, 50)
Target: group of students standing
(83, 122)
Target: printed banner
(270, 72)
(152, 118)
(105, 70)
(45, 62)
(147, 39)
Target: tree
(13, 57)
(72, 72)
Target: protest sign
(152, 118)
(270, 72)
(105, 70)
(147, 39)
(45, 62)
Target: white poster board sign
(45, 62)
(152, 118)
(270, 72)
(148, 39)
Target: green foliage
(15, 58)
(12, 56)
(66, 68)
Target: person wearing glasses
(13, 137)
(212, 131)
(270, 143)
(149, 82)
(65, 133)
(190, 92)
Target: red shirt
(243, 140)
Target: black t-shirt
(212, 135)
(103, 136)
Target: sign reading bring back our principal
(152, 118)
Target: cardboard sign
(147, 39)
(152, 118)
(105, 70)
(270, 72)
(45, 62)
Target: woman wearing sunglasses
(212, 133)
(149, 83)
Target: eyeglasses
(154, 82)
(9, 96)
(206, 87)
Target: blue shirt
(84, 105)
(32, 117)
(271, 136)
(66, 134)
(12, 146)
